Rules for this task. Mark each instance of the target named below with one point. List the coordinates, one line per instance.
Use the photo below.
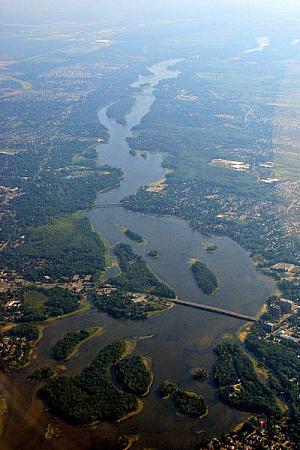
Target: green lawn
(34, 299)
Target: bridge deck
(214, 309)
(109, 205)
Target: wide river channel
(178, 340)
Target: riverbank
(93, 332)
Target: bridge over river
(109, 205)
(214, 309)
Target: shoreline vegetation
(153, 253)
(137, 276)
(134, 375)
(21, 341)
(126, 442)
(120, 303)
(205, 278)
(120, 109)
(186, 402)
(34, 344)
(132, 235)
(210, 248)
(238, 382)
(92, 396)
(46, 373)
(199, 374)
(42, 304)
(68, 346)
(84, 305)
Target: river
(181, 338)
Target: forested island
(67, 346)
(206, 279)
(238, 383)
(125, 442)
(188, 403)
(91, 395)
(199, 374)
(211, 248)
(133, 236)
(134, 375)
(136, 276)
(118, 302)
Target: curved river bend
(182, 338)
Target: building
(283, 267)
(269, 327)
(275, 311)
(288, 337)
(287, 306)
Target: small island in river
(199, 374)
(67, 347)
(188, 403)
(133, 236)
(211, 248)
(125, 442)
(206, 279)
(153, 254)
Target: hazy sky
(138, 8)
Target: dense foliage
(66, 345)
(166, 388)
(16, 346)
(60, 249)
(190, 403)
(206, 279)
(120, 303)
(122, 443)
(134, 236)
(211, 248)
(284, 365)
(136, 275)
(42, 374)
(91, 395)
(30, 332)
(58, 301)
(133, 375)
(199, 374)
(238, 384)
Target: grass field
(34, 299)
